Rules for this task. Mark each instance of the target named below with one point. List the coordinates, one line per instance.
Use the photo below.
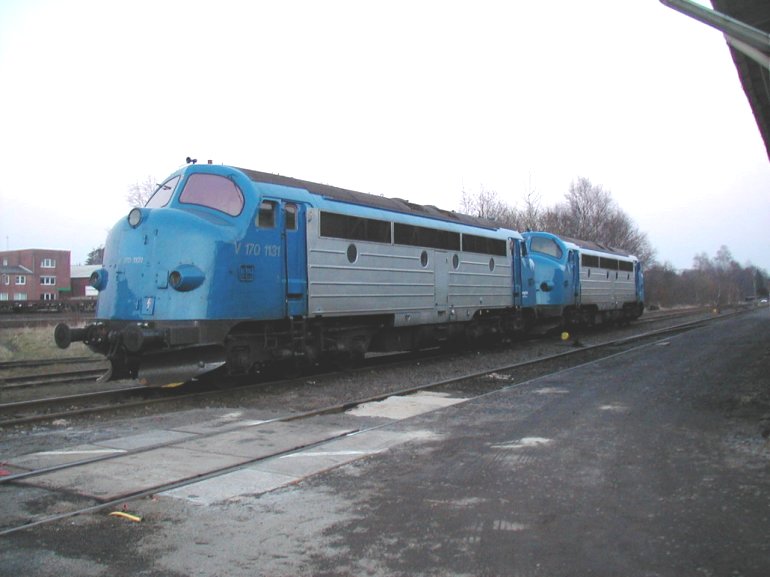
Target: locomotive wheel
(120, 368)
(347, 360)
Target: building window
(3, 296)
(48, 297)
(21, 280)
(6, 279)
(48, 263)
(48, 280)
(19, 296)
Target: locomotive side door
(524, 275)
(295, 257)
(441, 283)
(573, 265)
(639, 282)
(515, 248)
(281, 246)
(270, 249)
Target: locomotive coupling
(65, 336)
(95, 335)
(137, 339)
(133, 338)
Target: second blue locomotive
(243, 269)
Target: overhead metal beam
(749, 51)
(730, 26)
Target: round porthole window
(491, 264)
(455, 262)
(352, 253)
(424, 258)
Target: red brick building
(34, 274)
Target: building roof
(15, 269)
(753, 76)
(83, 270)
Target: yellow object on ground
(128, 516)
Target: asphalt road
(651, 463)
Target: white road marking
(551, 391)
(524, 443)
(615, 407)
(330, 454)
(85, 452)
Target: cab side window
(266, 218)
(290, 216)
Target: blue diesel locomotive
(583, 282)
(234, 268)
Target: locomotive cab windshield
(163, 193)
(207, 190)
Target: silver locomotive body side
(415, 285)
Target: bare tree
(140, 192)
(531, 216)
(590, 213)
(487, 204)
(714, 281)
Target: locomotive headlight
(98, 279)
(186, 277)
(135, 217)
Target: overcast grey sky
(415, 99)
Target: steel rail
(331, 409)
(177, 394)
(347, 405)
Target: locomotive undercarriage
(590, 315)
(157, 354)
(301, 342)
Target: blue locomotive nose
(154, 266)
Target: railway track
(127, 396)
(469, 385)
(39, 363)
(26, 381)
(68, 406)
